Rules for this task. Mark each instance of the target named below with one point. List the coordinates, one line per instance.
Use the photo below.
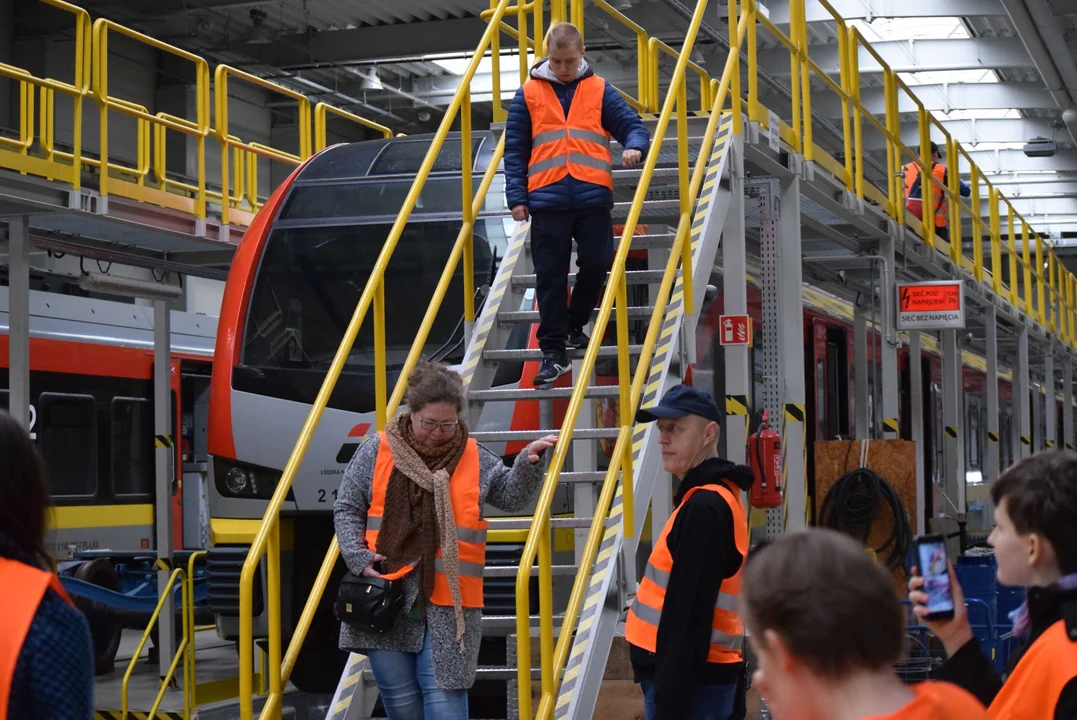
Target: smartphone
(934, 568)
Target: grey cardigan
(508, 489)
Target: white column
(992, 461)
(1067, 401)
(953, 423)
(916, 407)
(860, 367)
(1023, 390)
(165, 457)
(19, 318)
(791, 323)
(1050, 439)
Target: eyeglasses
(430, 425)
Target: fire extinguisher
(765, 458)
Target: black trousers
(942, 233)
(552, 232)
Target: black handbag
(370, 604)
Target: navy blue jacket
(618, 118)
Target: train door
(975, 415)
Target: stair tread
(532, 316)
(509, 571)
(634, 277)
(515, 394)
(525, 435)
(525, 523)
(606, 351)
(652, 240)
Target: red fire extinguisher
(765, 458)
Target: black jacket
(972, 670)
(704, 553)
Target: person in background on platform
(685, 634)
(418, 490)
(559, 173)
(1035, 542)
(46, 654)
(827, 629)
(940, 207)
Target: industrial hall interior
(511, 359)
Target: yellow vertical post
(977, 225)
(545, 581)
(953, 203)
(794, 74)
(557, 12)
(577, 14)
(469, 218)
(895, 165)
(996, 247)
(685, 196)
(540, 28)
(1015, 281)
(379, 355)
(754, 113)
(843, 63)
(805, 84)
(499, 112)
(734, 80)
(1052, 289)
(274, 599)
(1040, 315)
(100, 87)
(927, 185)
(624, 379)
(852, 78)
(521, 37)
(1026, 253)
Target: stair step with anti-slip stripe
(639, 242)
(651, 208)
(509, 571)
(606, 351)
(525, 523)
(508, 622)
(634, 277)
(532, 316)
(515, 394)
(581, 477)
(528, 435)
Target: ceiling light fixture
(371, 81)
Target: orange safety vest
(727, 631)
(470, 527)
(577, 145)
(942, 210)
(939, 701)
(1032, 690)
(23, 588)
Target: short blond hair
(564, 35)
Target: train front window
(309, 282)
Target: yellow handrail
(267, 540)
(166, 593)
(320, 111)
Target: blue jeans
(409, 689)
(706, 702)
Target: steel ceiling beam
(913, 55)
(870, 9)
(1017, 161)
(970, 132)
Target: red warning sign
(931, 306)
(735, 330)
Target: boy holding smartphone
(1035, 542)
(827, 630)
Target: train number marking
(33, 422)
(321, 495)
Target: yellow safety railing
(146, 178)
(654, 45)
(841, 88)
(182, 652)
(553, 660)
(320, 111)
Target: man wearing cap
(685, 636)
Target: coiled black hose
(852, 505)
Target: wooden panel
(892, 460)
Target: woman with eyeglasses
(411, 505)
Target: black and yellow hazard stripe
(736, 404)
(1070, 446)
(1026, 440)
(951, 431)
(794, 412)
(992, 436)
(665, 347)
(891, 425)
(135, 715)
(1050, 443)
(488, 316)
(349, 681)
(162, 441)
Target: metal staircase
(510, 303)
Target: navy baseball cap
(680, 401)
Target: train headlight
(236, 481)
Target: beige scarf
(411, 463)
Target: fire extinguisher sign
(735, 330)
